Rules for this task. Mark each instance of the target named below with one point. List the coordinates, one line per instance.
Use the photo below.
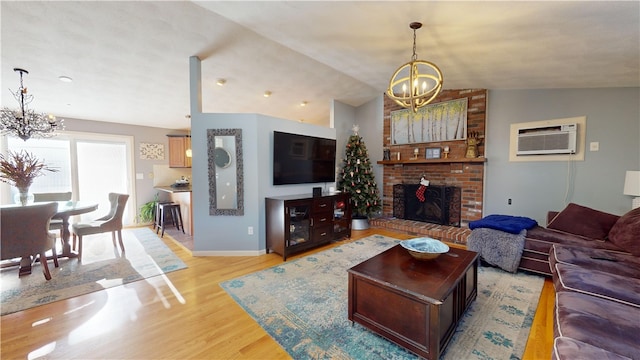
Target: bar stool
(173, 212)
(156, 220)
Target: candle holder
(445, 152)
(416, 153)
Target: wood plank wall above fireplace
(469, 176)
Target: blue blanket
(506, 223)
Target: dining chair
(25, 232)
(112, 222)
(58, 196)
(55, 224)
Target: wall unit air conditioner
(543, 140)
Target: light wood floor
(183, 315)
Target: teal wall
(369, 117)
(613, 120)
(228, 235)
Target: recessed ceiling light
(221, 82)
(267, 93)
(65, 79)
(304, 103)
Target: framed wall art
(443, 121)
(151, 151)
(432, 153)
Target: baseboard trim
(229, 253)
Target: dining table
(66, 209)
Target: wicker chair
(112, 222)
(25, 232)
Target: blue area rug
(302, 304)
(102, 267)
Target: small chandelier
(24, 122)
(416, 83)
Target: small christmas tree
(357, 178)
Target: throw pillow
(626, 232)
(581, 220)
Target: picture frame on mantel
(432, 153)
(444, 121)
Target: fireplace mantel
(432, 161)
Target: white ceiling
(130, 60)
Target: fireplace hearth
(441, 204)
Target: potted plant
(148, 211)
(19, 169)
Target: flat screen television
(301, 159)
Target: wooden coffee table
(416, 304)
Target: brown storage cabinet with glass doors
(297, 223)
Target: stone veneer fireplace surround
(457, 171)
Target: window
(89, 165)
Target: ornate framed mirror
(226, 185)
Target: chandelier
(24, 122)
(416, 83)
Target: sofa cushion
(570, 349)
(605, 324)
(615, 288)
(595, 259)
(625, 233)
(581, 220)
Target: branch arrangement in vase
(20, 168)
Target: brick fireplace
(438, 205)
(456, 171)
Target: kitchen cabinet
(178, 145)
(296, 223)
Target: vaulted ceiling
(129, 61)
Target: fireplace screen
(441, 204)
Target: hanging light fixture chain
(22, 91)
(415, 54)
